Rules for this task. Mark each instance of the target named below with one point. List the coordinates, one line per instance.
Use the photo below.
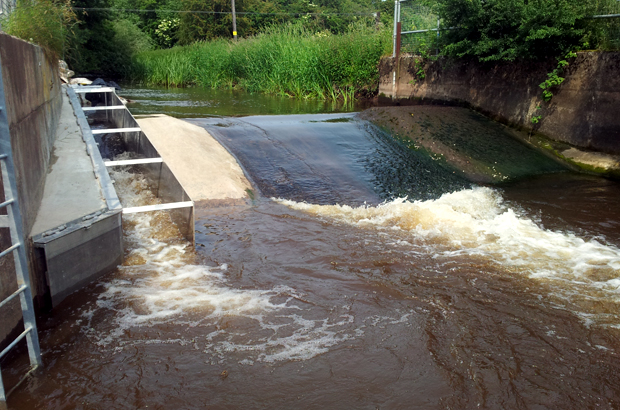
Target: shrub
(493, 30)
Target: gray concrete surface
(32, 97)
(78, 230)
(81, 252)
(205, 169)
(33, 102)
(597, 160)
(71, 189)
(33, 93)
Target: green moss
(250, 193)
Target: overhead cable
(221, 12)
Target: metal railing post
(396, 4)
(13, 220)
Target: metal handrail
(13, 295)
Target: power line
(220, 12)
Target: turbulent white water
(160, 283)
(476, 222)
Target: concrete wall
(82, 252)
(583, 111)
(33, 94)
(33, 98)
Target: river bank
(483, 150)
(582, 112)
(285, 60)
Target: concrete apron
(581, 117)
(77, 233)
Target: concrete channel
(77, 235)
(64, 140)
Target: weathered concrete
(583, 111)
(33, 94)
(593, 161)
(80, 252)
(33, 99)
(78, 237)
(206, 170)
(71, 190)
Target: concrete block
(81, 253)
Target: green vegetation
(104, 42)
(508, 30)
(419, 15)
(288, 60)
(44, 22)
(554, 79)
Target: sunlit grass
(286, 60)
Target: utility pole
(234, 21)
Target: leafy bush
(43, 22)
(130, 38)
(493, 30)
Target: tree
(213, 19)
(507, 30)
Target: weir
(340, 280)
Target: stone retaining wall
(583, 111)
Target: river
(331, 290)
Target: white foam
(161, 283)
(476, 222)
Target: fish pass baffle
(117, 124)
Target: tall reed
(43, 22)
(284, 60)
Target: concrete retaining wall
(33, 97)
(583, 111)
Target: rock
(83, 101)
(80, 81)
(63, 70)
(114, 85)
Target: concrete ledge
(101, 172)
(204, 168)
(81, 252)
(78, 230)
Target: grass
(44, 22)
(285, 60)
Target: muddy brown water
(337, 293)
